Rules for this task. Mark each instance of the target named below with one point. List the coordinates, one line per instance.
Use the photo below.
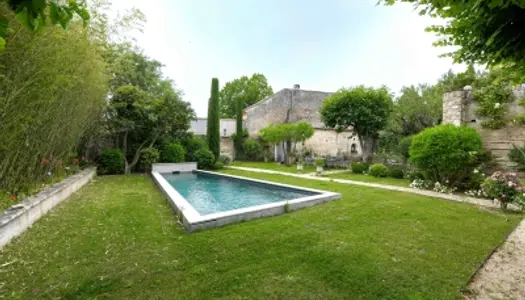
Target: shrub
(205, 159)
(111, 161)
(378, 170)
(149, 156)
(395, 172)
(446, 153)
(517, 155)
(319, 162)
(359, 167)
(416, 175)
(252, 149)
(218, 165)
(225, 160)
(195, 144)
(172, 153)
(403, 148)
(505, 187)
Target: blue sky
(321, 45)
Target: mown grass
(272, 166)
(309, 169)
(117, 239)
(369, 178)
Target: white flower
(476, 171)
(48, 173)
(497, 105)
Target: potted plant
(319, 164)
(299, 165)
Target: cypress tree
(213, 135)
(238, 136)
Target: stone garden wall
(19, 217)
(460, 108)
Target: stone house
(459, 108)
(295, 105)
(227, 128)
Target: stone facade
(227, 147)
(460, 108)
(295, 105)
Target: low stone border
(452, 197)
(19, 217)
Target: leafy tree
(52, 86)
(417, 108)
(138, 119)
(485, 32)
(213, 135)
(362, 109)
(291, 133)
(35, 14)
(248, 90)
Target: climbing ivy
(493, 93)
(493, 101)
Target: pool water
(211, 194)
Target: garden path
(503, 274)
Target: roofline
(285, 89)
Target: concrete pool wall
(193, 221)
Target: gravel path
(503, 275)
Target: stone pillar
(454, 107)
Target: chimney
(296, 86)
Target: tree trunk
(287, 153)
(367, 147)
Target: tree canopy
(35, 14)
(287, 132)
(487, 32)
(213, 134)
(144, 105)
(365, 110)
(250, 89)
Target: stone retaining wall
(19, 217)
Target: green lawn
(272, 166)
(309, 169)
(368, 178)
(118, 239)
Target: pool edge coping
(192, 220)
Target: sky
(320, 44)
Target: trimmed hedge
(252, 149)
(395, 172)
(446, 153)
(172, 153)
(378, 170)
(205, 159)
(194, 144)
(359, 167)
(111, 161)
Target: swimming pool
(209, 193)
(205, 199)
